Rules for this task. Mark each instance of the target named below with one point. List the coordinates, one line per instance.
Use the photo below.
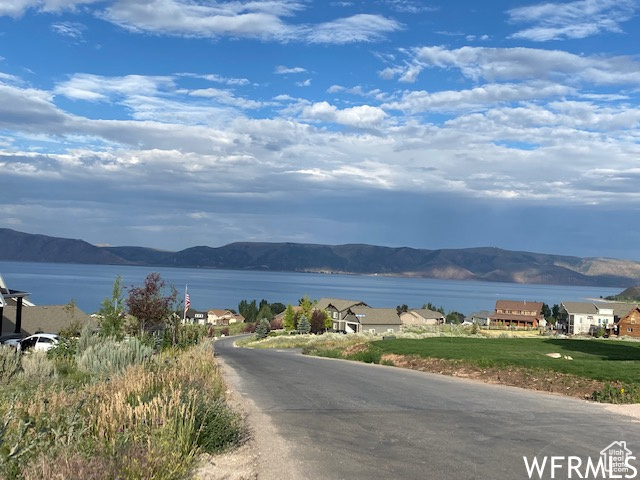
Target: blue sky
(174, 123)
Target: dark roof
(50, 319)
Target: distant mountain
(27, 247)
(630, 294)
(483, 264)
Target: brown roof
(519, 305)
(339, 304)
(49, 319)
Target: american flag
(187, 302)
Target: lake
(88, 285)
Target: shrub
(9, 363)
(112, 356)
(218, 427)
(36, 365)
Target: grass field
(604, 360)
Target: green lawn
(605, 360)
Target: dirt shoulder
(264, 454)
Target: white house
(583, 317)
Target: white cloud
(89, 87)
(479, 97)
(519, 63)
(571, 20)
(282, 70)
(72, 30)
(17, 8)
(357, 28)
(363, 116)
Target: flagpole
(186, 306)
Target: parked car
(12, 339)
(40, 342)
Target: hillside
(482, 264)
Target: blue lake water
(88, 285)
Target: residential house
(195, 317)
(279, 318)
(338, 310)
(221, 317)
(364, 319)
(481, 318)
(581, 318)
(629, 325)
(421, 317)
(49, 319)
(519, 314)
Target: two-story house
(519, 314)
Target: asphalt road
(348, 420)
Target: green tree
(289, 320)
(277, 308)
(303, 325)
(433, 308)
(264, 312)
(546, 311)
(248, 310)
(149, 304)
(306, 307)
(402, 309)
(455, 317)
(112, 312)
(263, 329)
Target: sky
(426, 124)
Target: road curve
(349, 420)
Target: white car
(40, 342)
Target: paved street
(349, 420)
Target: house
(279, 318)
(629, 325)
(420, 317)
(481, 318)
(49, 319)
(364, 319)
(195, 317)
(221, 317)
(519, 314)
(338, 310)
(581, 318)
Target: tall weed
(9, 363)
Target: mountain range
(482, 263)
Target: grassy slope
(594, 359)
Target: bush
(113, 356)
(219, 427)
(9, 363)
(37, 365)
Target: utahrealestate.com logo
(615, 461)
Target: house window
(335, 314)
(629, 329)
(390, 330)
(372, 330)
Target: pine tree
(303, 325)
(263, 329)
